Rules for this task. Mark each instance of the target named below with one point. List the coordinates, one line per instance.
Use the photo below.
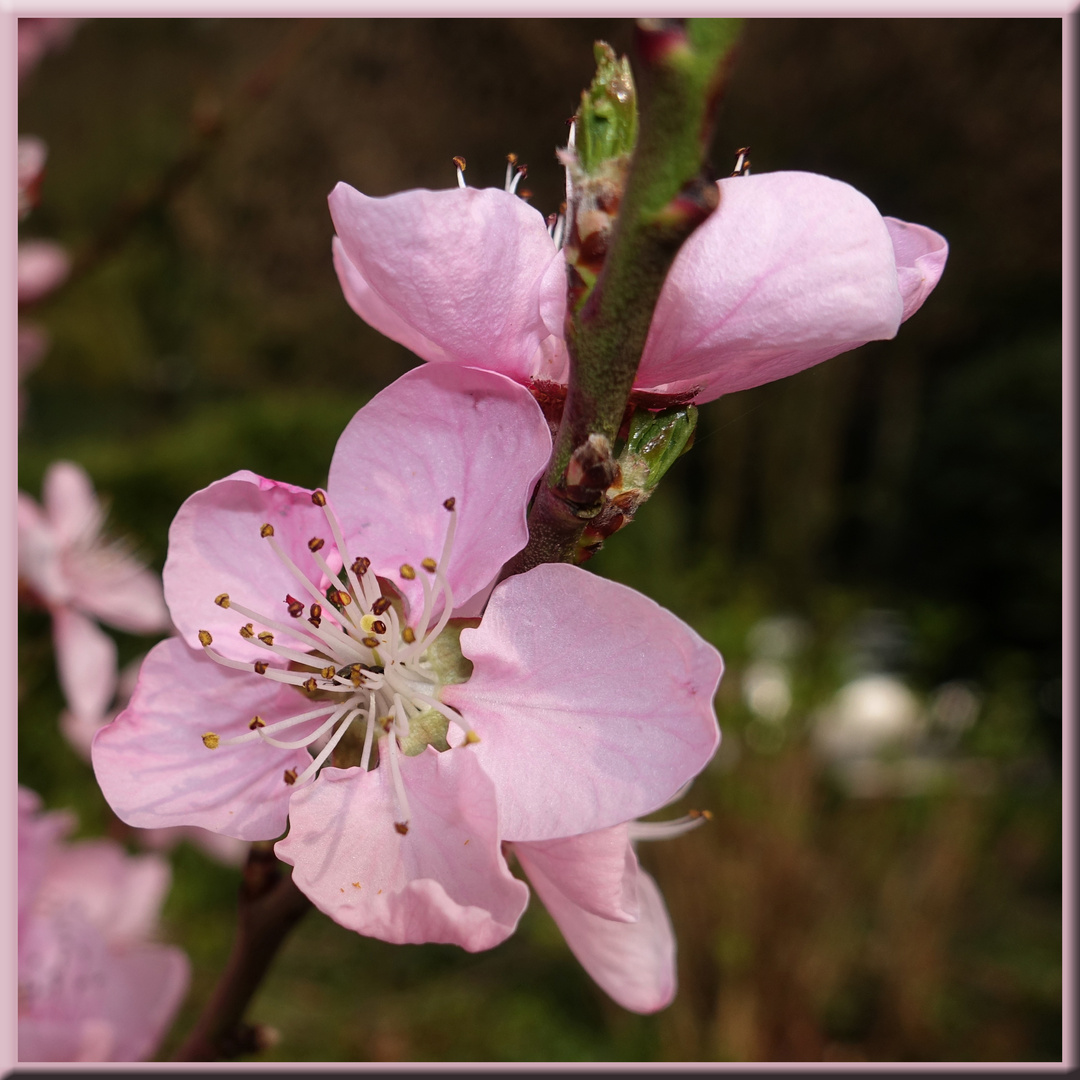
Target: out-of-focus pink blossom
(93, 986)
(66, 565)
(39, 36)
(323, 620)
(32, 155)
(793, 268)
(42, 266)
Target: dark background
(203, 331)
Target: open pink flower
(316, 634)
(66, 565)
(793, 268)
(93, 986)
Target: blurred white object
(766, 687)
(868, 716)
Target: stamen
(407, 572)
(222, 600)
(667, 830)
(522, 172)
(290, 777)
(328, 749)
(460, 163)
(429, 565)
(296, 609)
(256, 723)
(205, 638)
(211, 741)
(369, 720)
(388, 748)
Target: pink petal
(461, 272)
(597, 871)
(791, 269)
(438, 433)
(86, 662)
(444, 881)
(215, 547)
(155, 771)
(593, 704)
(145, 988)
(42, 266)
(920, 261)
(119, 894)
(119, 590)
(73, 509)
(633, 962)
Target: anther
(260, 667)
(296, 609)
(408, 635)
(247, 631)
(328, 672)
(378, 626)
(402, 827)
(381, 606)
(407, 572)
(429, 565)
(706, 814)
(316, 611)
(315, 621)
(266, 637)
(360, 566)
(370, 642)
(318, 498)
(342, 598)
(290, 777)
(315, 543)
(222, 600)
(256, 723)
(471, 737)
(210, 741)
(511, 158)
(310, 684)
(448, 503)
(266, 530)
(460, 163)
(205, 638)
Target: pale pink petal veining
(443, 880)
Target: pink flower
(67, 566)
(793, 268)
(39, 36)
(42, 266)
(323, 620)
(92, 985)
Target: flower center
(359, 658)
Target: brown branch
(270, 906)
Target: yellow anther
(343, 598)
(266, 530)
(471, 737)
(266, 637)
(459, 161)
(257, 722)
(381, 606)
(356, 884)
(370, 642)
(402, 827)
(378, 626)
(318, 498)
(260, 667)
(290, 777)
(360, 566)
(205, 638)
(407, 635)
(222, 600)
(247, 631)
(315, 543)
(210, 741)
(310, 684)
(328, 672)
(407, 572)
(706, 814)
(429, 565)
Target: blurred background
(874, 545)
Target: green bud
(653, 442)
(607, 118)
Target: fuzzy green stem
(680, 67)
